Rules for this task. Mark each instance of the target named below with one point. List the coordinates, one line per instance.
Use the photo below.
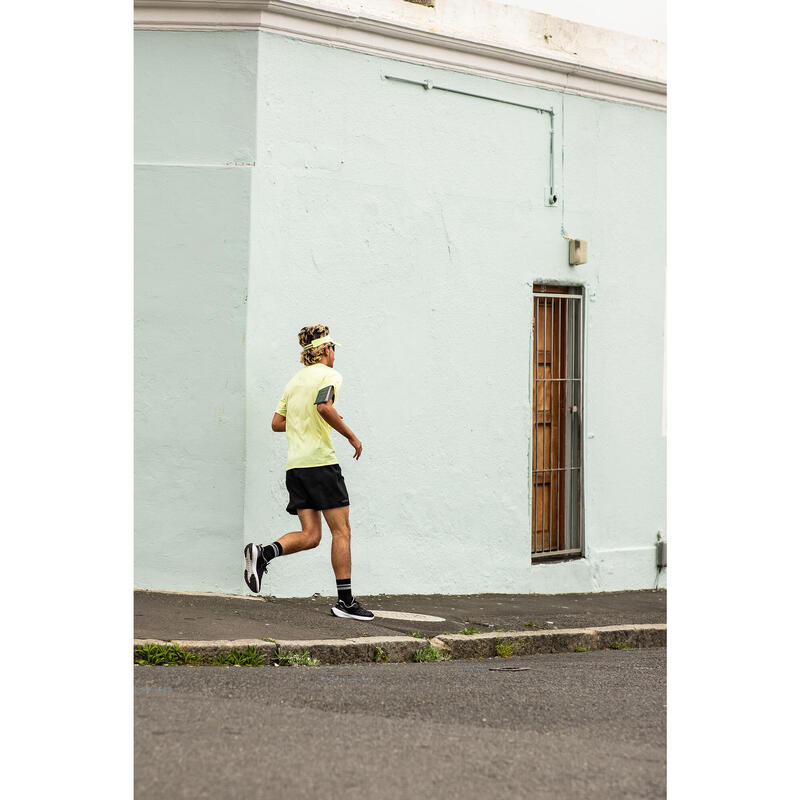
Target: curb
(398, 649)
(209, 649)
(525, 643)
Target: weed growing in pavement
(380, 656)
(504, 649)
(620, 646)
(469, 631)
(531, 625)
(267, 639)
(579, 649)
(417, 635)
(430, 653)
(291, 659)
(240, 658)
(165, 655)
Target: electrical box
(577, 252)
(661, 553)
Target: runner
(306, 412)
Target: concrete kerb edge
(397, 649)
(565, 640)
(210, 649)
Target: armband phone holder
(325, 395)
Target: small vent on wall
(428, 3)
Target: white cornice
(443, 37)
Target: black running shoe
(255, 565)
(355, 611)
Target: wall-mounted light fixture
(577, 252)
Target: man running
(313, 477)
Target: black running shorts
(316, 487)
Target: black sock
(271, 551)
(345, 594)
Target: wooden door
(549, 422)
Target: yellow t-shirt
(308, 434)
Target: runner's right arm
(334, 419)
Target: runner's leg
(338, 520)
(307, 538)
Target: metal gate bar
(557, 512)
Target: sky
(647, 18)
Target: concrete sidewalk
(210, 624)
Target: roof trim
(413, 39)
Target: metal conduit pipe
(552, 199)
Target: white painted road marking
(407, 616)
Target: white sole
(339, 613)
(250, 567)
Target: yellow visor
(323, 340)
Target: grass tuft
(430, 653)
(381, 656)
(469, 631)
(534, 626)
(291, 659)
(504, 649)
(417, 635)
(165, 655)
(620, 646)
(240, 658)
(579, 649)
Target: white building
(414, 177)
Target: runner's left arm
(279, 419)
(278, 422)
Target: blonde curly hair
(306, 336)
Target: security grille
(557, 453)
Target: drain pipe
(564, 233)
(551, 199)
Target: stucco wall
(195, 117)
(413, 223)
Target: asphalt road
(576, 725)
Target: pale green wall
(413, 223)
(195, 105)
(194, 97)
